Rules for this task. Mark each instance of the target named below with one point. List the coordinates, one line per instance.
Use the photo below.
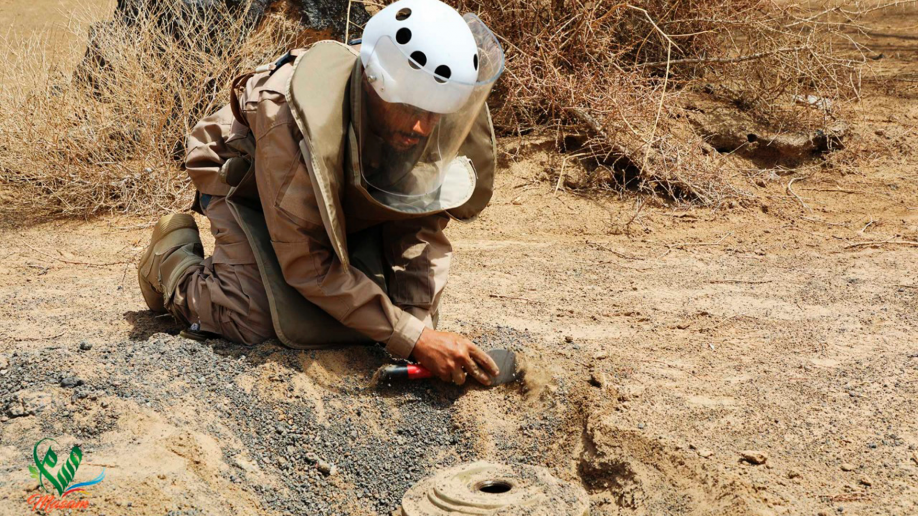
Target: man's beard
(394, 173)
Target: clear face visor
(417, 119)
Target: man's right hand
(450, 356)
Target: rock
(326, 468)
(245, 465)
(865, 480)
(847, 466)
(568, 339)
(705, 453)
(16, 409)
(597, 379)
(754, 457)
(793, 474)
(85, 346)
(312, 458)
(71, 382)
(4, 362)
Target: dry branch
(571, 62)
(724, 60)
(876, 243)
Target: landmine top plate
(483, 488)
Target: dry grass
(109, 137)
(615, 74)
(606, 77)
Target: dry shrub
(606, 77)
(616, 72)
(110, 137)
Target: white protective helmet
(435, 68)
(432, 39)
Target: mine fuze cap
(428, 71)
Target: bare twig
(561, 175)
(790, 191)
(834, 190)
(29, 339)
(724, 60)
(597, 245)
(72, 262)
(499, 296)
(683, 245)
(879, 243)
(656, 120)
(740, 281)
(824, 222)
(347, 22)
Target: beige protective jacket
(417, 249)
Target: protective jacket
(288, 165)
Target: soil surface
(756, 359)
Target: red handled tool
(505, 360)
(401, 372)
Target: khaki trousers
(225, 294)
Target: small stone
(4, 362)
(597, 379)
(568, 339)
(325, 468)
(760, 183)
(704, 453)
(71, 382)
(793, 474)
(640, 426)
(85, 346)
(754, 457)
(312, 458)
(847, 466)
(865, 480)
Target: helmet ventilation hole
(442, 73)
(475, 61)
(403, 14)
(417, 58)
(403, 35)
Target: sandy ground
(54, 26)
(669, 345)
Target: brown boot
(175, 246)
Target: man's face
(400, 125)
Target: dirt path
(671, 344)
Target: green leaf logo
(65, 474)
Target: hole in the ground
(494, 486)
(751, 137)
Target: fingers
(484, 359)
(458, 375)
(472, 368)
